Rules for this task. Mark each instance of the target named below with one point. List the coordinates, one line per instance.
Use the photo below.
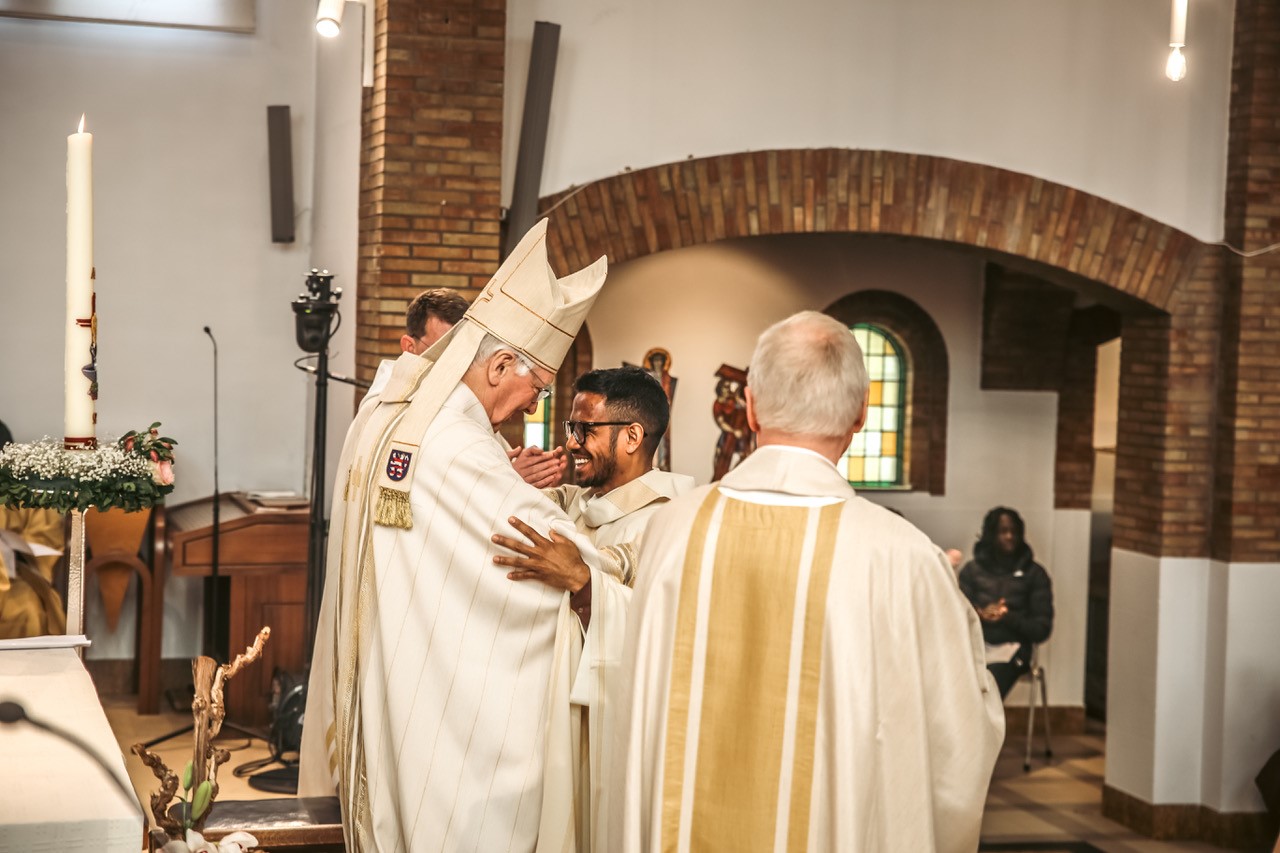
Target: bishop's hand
(539, 468)
(555, 561)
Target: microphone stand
(213, 645)
(215, 630)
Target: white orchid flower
(234, 842)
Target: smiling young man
(618, 418)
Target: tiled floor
(1056, 807)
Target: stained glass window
(874, 459)
(537, 427)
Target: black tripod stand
(215, 639)
(315, 314)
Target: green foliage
(128, 493)
(200, 802)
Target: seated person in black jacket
(1010, 591)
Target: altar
(54, 797)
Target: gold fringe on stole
(393, 509)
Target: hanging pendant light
(1176, 68)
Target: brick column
(430, 163)
(1197, 567)
(1247, 499)
(1165, 435)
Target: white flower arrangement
(47, 460)
(134, 472)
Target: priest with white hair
(801, 672)
(439, 702)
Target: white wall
(1193, 685)
(1069, 90)
(182, 240)
(707, 304)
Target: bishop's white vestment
(803, 674)
(438, 706)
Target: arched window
(538, 429)
(920, 416)
(875, 458)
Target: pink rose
(155, 457)
(162, 473)
(128, 444)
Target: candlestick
(81, 373)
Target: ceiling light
(329, 17)
(1176, 68)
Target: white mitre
(523, 305)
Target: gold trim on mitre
(526, 306)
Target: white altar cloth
(52, 795)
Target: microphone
(11, 713)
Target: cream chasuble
(799, 677)
(438, 703)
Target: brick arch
(869, 192)
(928, 375)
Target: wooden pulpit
(262, 551)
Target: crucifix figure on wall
(730, 412)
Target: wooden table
(262, 551)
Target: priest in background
(439, 702)
(804, 673)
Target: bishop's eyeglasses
(580, 429)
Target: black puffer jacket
(1022, 583)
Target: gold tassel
(392, 509)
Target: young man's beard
(602, 467)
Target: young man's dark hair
(631, 395)
(444, 303)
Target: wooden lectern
(262, 551)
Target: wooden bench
(304, 825)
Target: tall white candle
(81, 387)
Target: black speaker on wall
(280, 164)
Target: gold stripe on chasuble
(810, 674)
(682, 672)
(743, 704)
